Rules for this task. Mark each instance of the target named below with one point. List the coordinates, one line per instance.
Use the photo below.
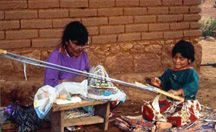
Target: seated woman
(70, 53)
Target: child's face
(179, 61)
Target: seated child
(181, 80)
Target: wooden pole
(164, 93)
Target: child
(181, 80)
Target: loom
(32, 61)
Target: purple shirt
(52, 77)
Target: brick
(110, 12)
(9, 25)
(53, 13)
(192, 33)
(40, 4)
(24, 14)
(2, 16)
(129, 37)
(127, 3)
(57, 23)
(21, 34)
(179, 10)
(111, 29)
(158, 10)
(192, 2)
(97, 21)
(144, 19)
(90, 40)
(180, 25)
(2, 35)
(137, 28)
(104, 39)
(192, 17)
(51, 33)
(172, 2)
(152, 35)
(101, 3)
(16, 4)
(135, 11)
(170, 18)
(149, 3)
(173, 34)
(13, 44)
(158, 27)
(45, 42)
(83, 12)
(93, 30)
(37, 23)
(121, 20)
(195, 9)
(195, 25)
(74, 3)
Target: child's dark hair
(185, 48)
(75, 31)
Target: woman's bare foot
(163, 125)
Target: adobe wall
(130, 38)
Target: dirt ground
(135, 97)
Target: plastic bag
(67, 88)
(43, 100)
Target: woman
(70, 53)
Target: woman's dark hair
(186, 49)
(75, 31)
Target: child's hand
(173, 92)
(176, 93)
(156, 82)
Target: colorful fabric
(135, 123)
(26, 118)
(8, 109)
(106, 94)
(103, 81)
(78, 112)
(185, 79)
(59, 57)
(176, 112)
(4, 115)
(103, 89)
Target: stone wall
(131, 38)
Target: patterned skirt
(175, 112)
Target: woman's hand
(156, 82)
(77, 78)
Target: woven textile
(26, 118)
(133, 124)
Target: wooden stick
(164, 93)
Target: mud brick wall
(128, 37)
